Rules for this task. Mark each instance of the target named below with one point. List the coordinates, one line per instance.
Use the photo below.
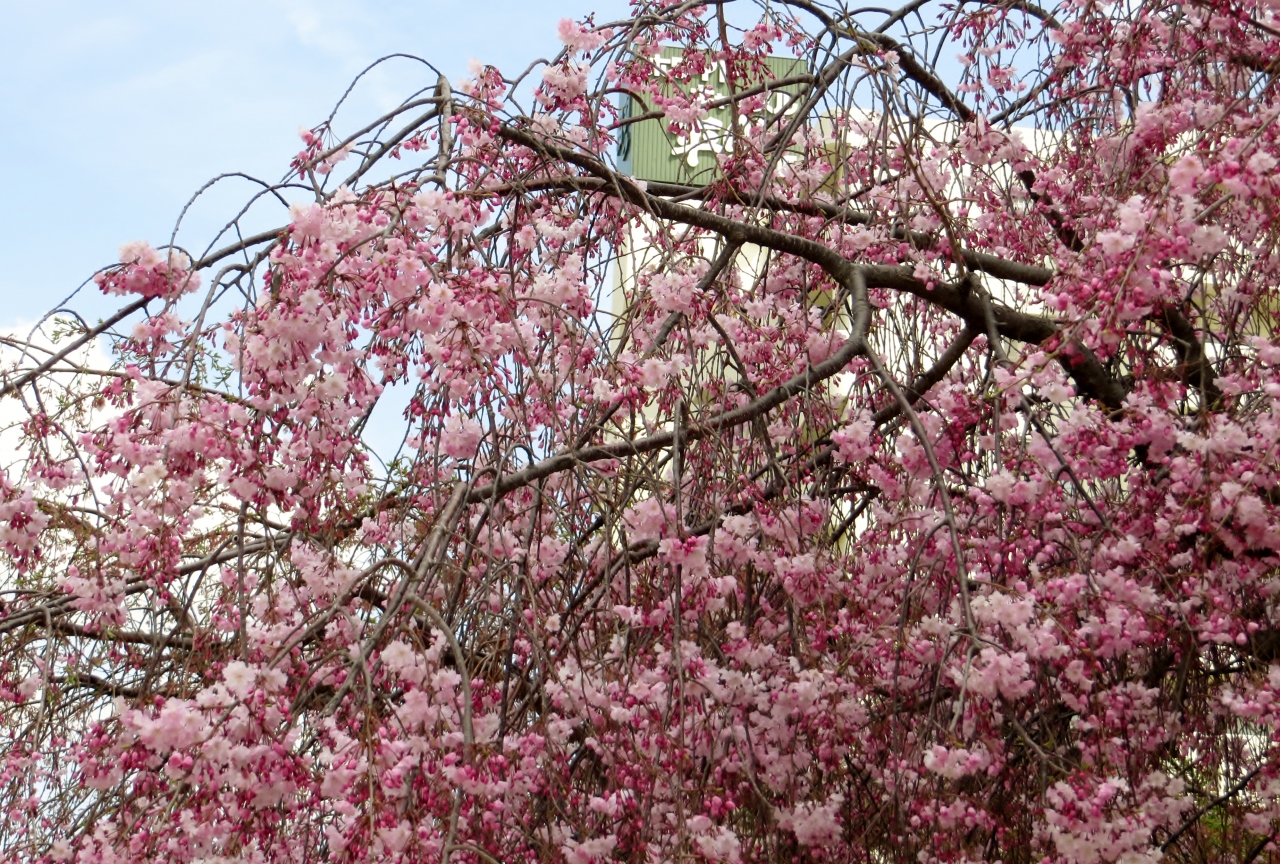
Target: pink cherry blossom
(578, 37)
(901, 486)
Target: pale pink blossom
(240, 678)
(461, 437)
(578, 38)
(1184, 173)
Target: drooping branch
(853, 345)
(1194, 366)
(1091, 377)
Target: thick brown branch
(1091, 379)
(124, 636)
(1196, 369)
(916, 389)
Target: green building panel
(648, 150)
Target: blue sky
(113, 113)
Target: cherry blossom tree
(905, 489)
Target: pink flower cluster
(906, 491)
(149, 273)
